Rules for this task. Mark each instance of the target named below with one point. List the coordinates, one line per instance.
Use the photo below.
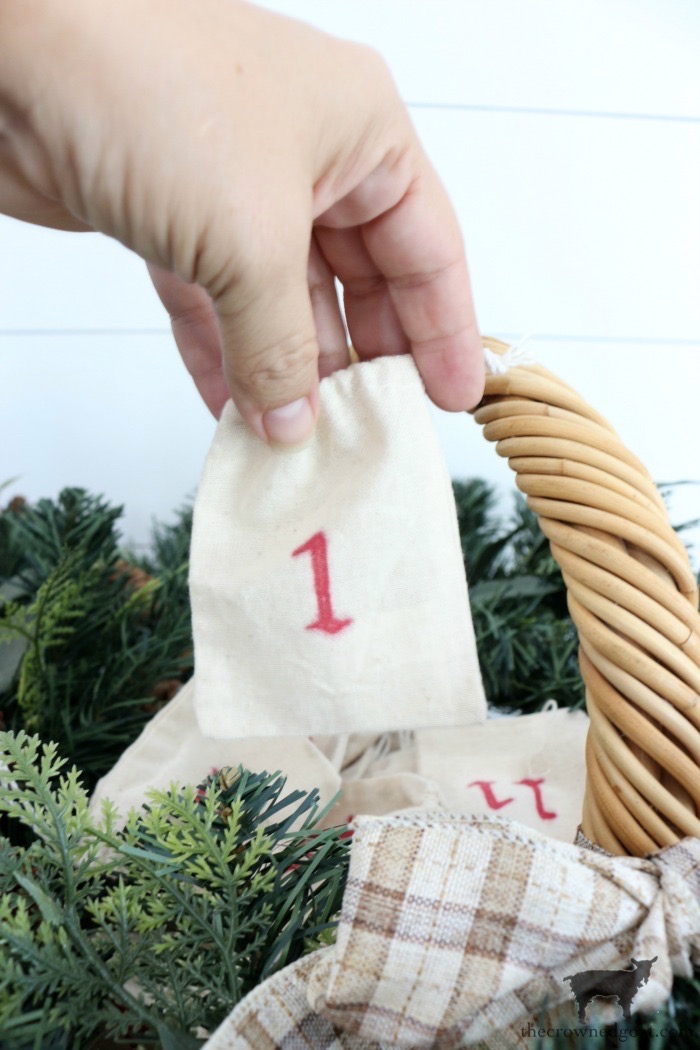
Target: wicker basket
(632, 595)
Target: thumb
(270, 356)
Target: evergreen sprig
(85, 636)
(526, 639)
(152, 932)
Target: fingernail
(289, 424)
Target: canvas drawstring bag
(328, 592)
(531, 768)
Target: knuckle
(191, 316)
(361, 289)
(374, 66)
(410, 282)
(320, 285)
(287, 364)
(443, 338)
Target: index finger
(418, 247)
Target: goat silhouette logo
(622, 985)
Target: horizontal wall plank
(631, 56)
(586, 229)
(113, 414)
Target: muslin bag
(328, 597)
(527, 768)
(327, 584)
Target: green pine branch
(84, 638)
(152, 932)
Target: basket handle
(632, 595)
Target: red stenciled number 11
(327, 621)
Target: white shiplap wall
(569, 138)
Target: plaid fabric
(277, 1015)
(455, 930)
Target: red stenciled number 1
(327, 621)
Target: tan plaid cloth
(455, 930)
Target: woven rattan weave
(632, 595)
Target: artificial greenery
(88, 636)
(192, 899)
(151, 933)
(527, 641)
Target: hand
(251, 160)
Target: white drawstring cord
(498, 364)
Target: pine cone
(137, 577)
